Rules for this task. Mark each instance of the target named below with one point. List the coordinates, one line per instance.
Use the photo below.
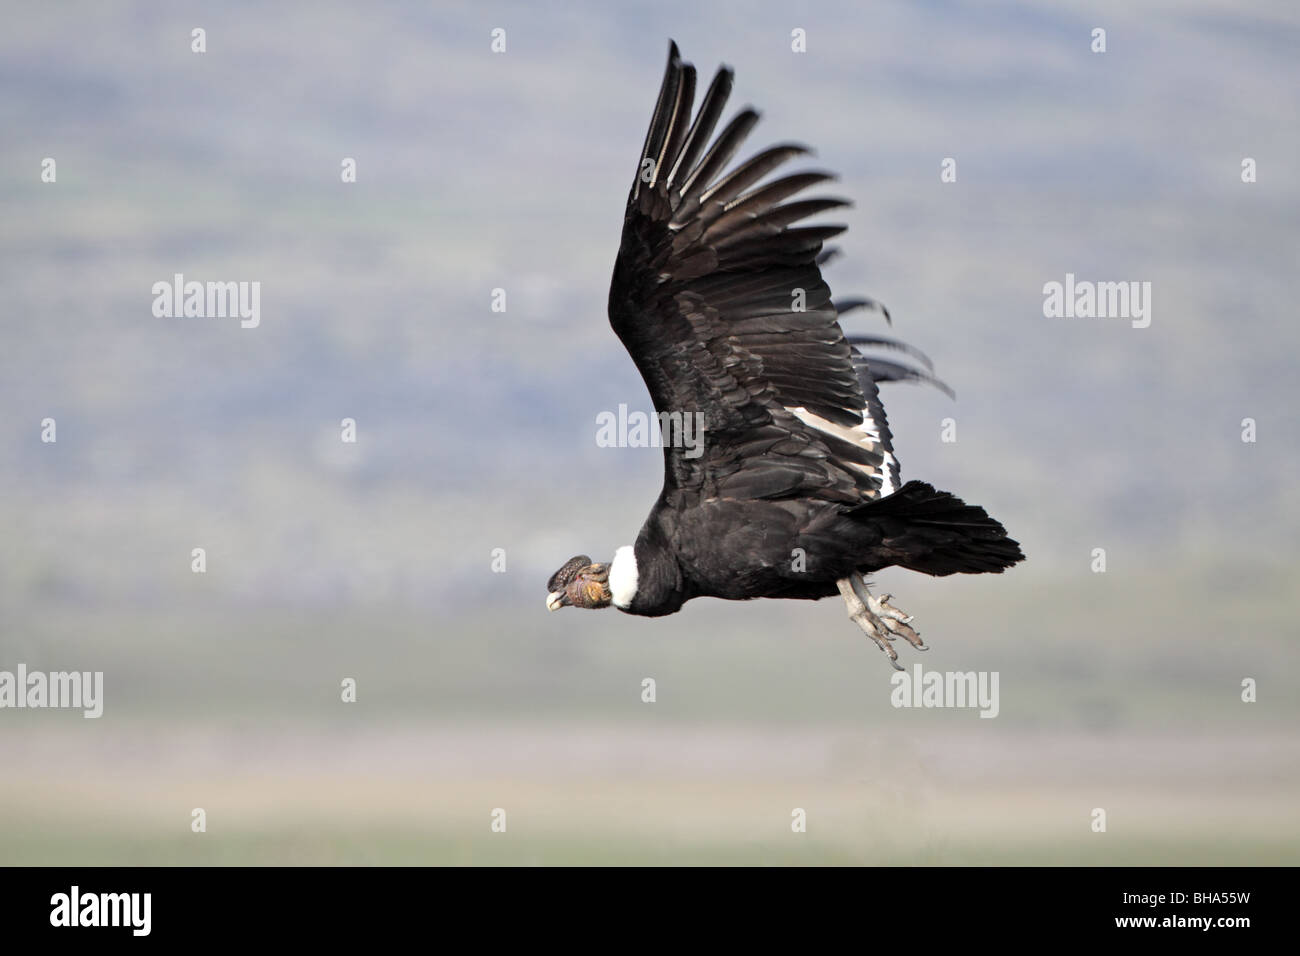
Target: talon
(889, 651)
(909, 635)
(878, 619)
(882, 608)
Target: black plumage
(718, 296)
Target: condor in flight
(719, 298)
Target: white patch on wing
(865, 434)
(622, 577)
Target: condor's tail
(927, 530)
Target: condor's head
(580, 583)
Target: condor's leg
(894, 620)
(877, 618)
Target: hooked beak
(555, 600)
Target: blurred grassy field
(1123, 694)
(625, 796)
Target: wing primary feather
(677, 120)
(772, 221)
(880, 341)
(655, 135)
(759, 201)
(772, 192)
(715, 100)
(719, 154)
(883, 370)
(789, 247)
(751, 171)
(849, 305)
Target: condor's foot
(879, 620)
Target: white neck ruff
(622, 576)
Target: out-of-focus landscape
(476, 430)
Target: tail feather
(932, 531)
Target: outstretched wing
(872, 370)
(719, 299)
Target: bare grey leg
(877, 618)
(893, 619)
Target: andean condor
(719, 298)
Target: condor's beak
(555, 600)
